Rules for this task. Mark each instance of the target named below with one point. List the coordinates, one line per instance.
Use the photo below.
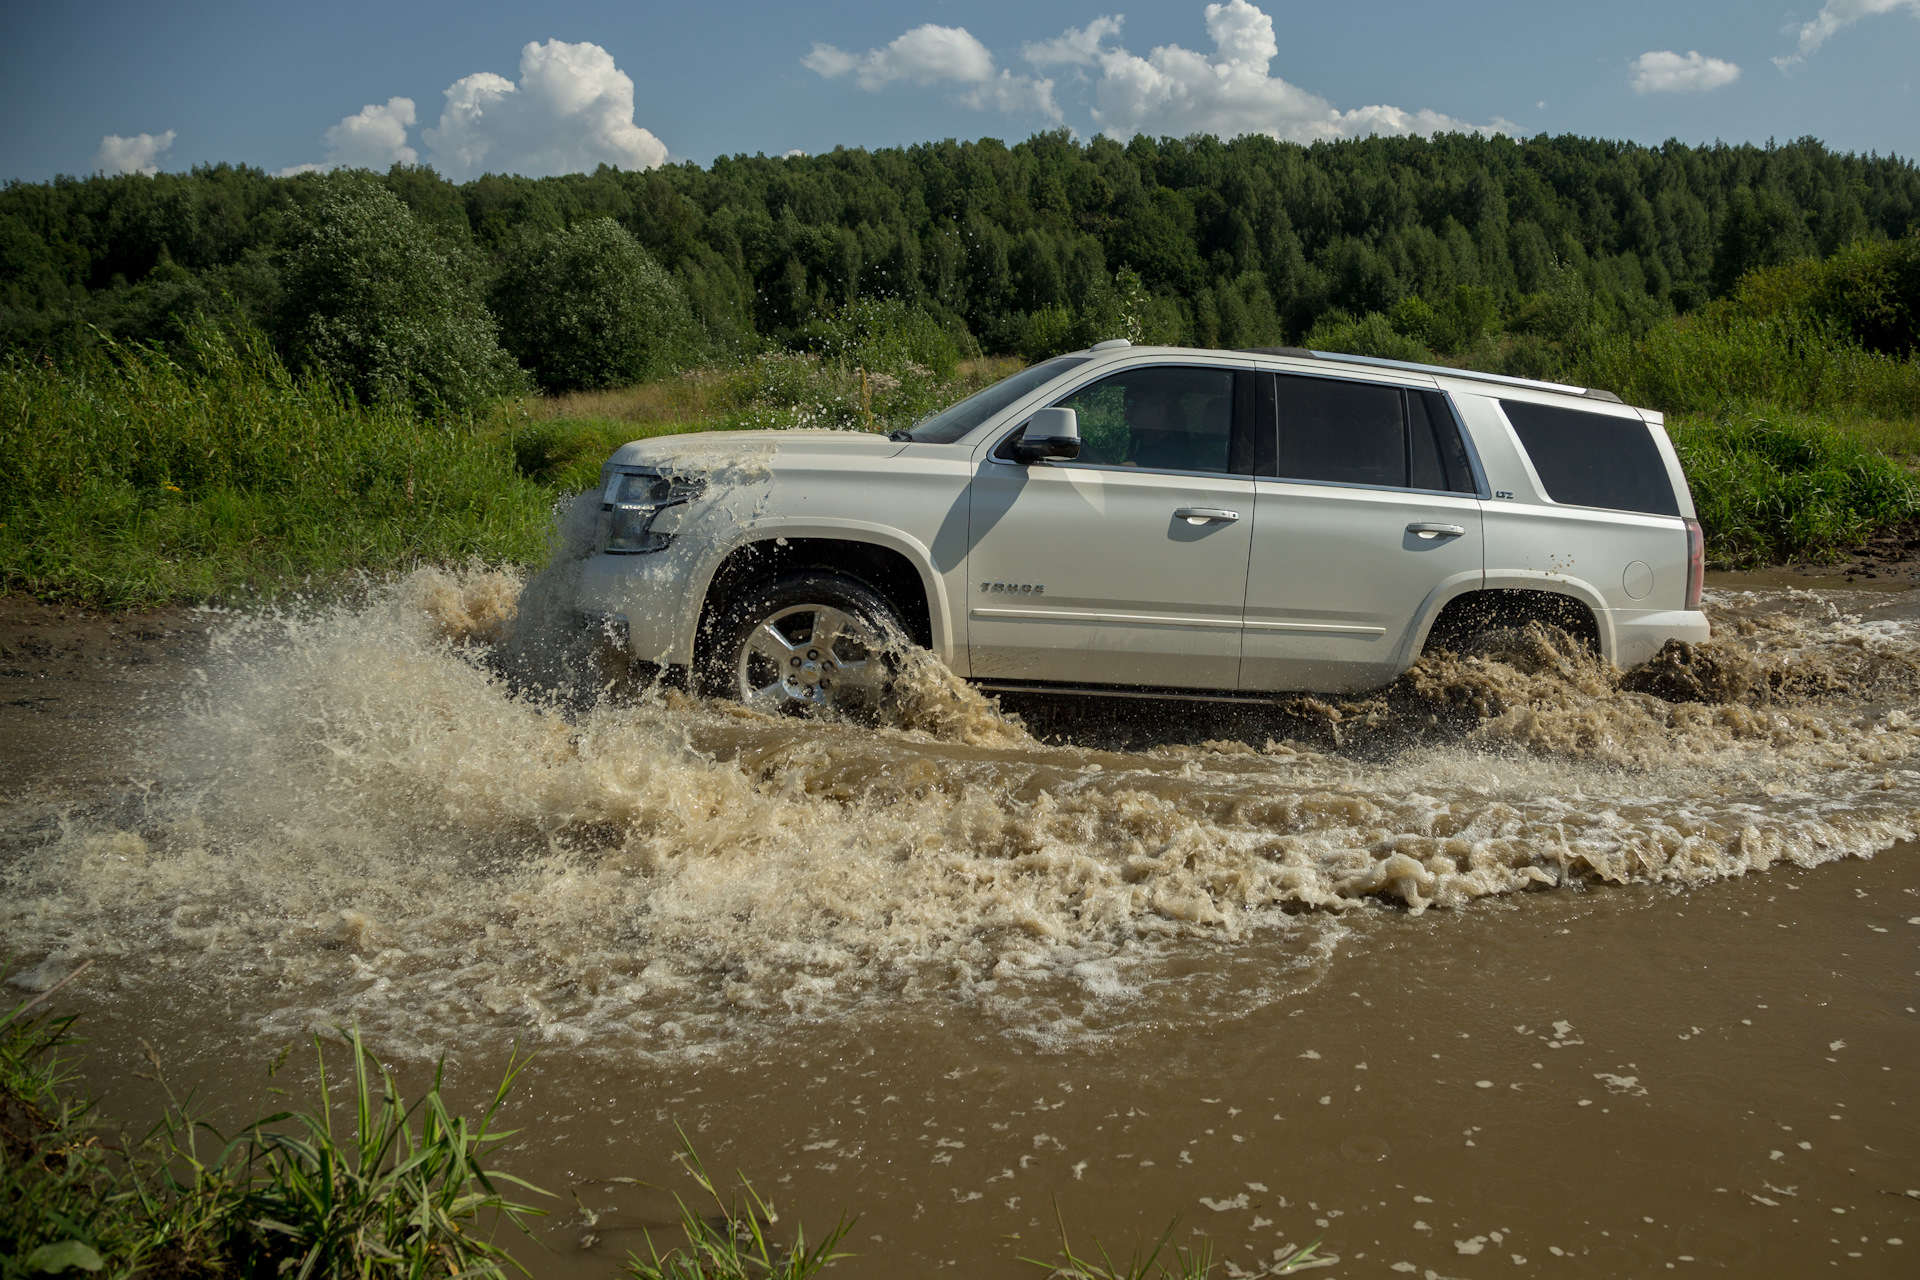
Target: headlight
(632, 499)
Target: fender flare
(1527, 580)
(939, 610)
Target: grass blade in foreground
(732, 1244)
(1170, 1261)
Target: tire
(763, 648)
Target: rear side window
(1594, 459)
(1336, 432)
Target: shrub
(136, 478)
(1869, 290)
(1774, 485)
(374, 302)
(1726, 355)
(588, 307)
(1371, 335)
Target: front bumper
(647, 595)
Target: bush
(134, 478)
(1371, 335)
(372, 301)
(588, 307)
(1726, 355)
(1772, 485)
(881, 335)
(1869, 290)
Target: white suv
(1157, 521)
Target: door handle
(1432, 531)
(1205, 515)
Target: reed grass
(399, 1190)
(1169, 1260)
(731, 1243)
(136, 478)
(1774, 484)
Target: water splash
(388, 813)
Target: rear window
(1594, 459)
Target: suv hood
(711, 451)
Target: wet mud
(1287, 972)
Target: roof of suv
(1439, 370)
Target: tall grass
(397, 1191)
(1727, 356)
(562, 442)
(729, 1241)
(1772, 484)
(138, 478)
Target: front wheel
(803, 642)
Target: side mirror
(1050, 433)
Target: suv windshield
(955, 421)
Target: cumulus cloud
(1076, 46)
(1176, 91)
(1834, 16)
(571, 111)
(374, 137)
(139, 154)
(932, 54)
(1663, 71)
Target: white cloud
(571, 111)
(1835, 15)
(931, 54)
(1076, 46)
(138, 154)
(923, 55)
(1176, 91)
(1663, 71)
(374, 137)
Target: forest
(1024, 249)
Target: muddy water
(1289, 977)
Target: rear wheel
(803, 642)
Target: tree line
(405, 282)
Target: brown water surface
(1516, 967)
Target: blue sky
(91, 84)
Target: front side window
(1336, 432)
(1161, 418)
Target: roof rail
(1445, 371)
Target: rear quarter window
(1594, 459)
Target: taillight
(1696, 564)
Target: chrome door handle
(1204, 515)
(1432, 531)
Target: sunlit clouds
(139, 154)
(1662, 71)
(1172, 90)
(931, 54)
(1835, 16)
(570, 112)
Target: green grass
(1797, 442)
(388, 1190)
(375, 1189)
(1776, 484)
(139, 479)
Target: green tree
(588, 307)
(374, 301)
